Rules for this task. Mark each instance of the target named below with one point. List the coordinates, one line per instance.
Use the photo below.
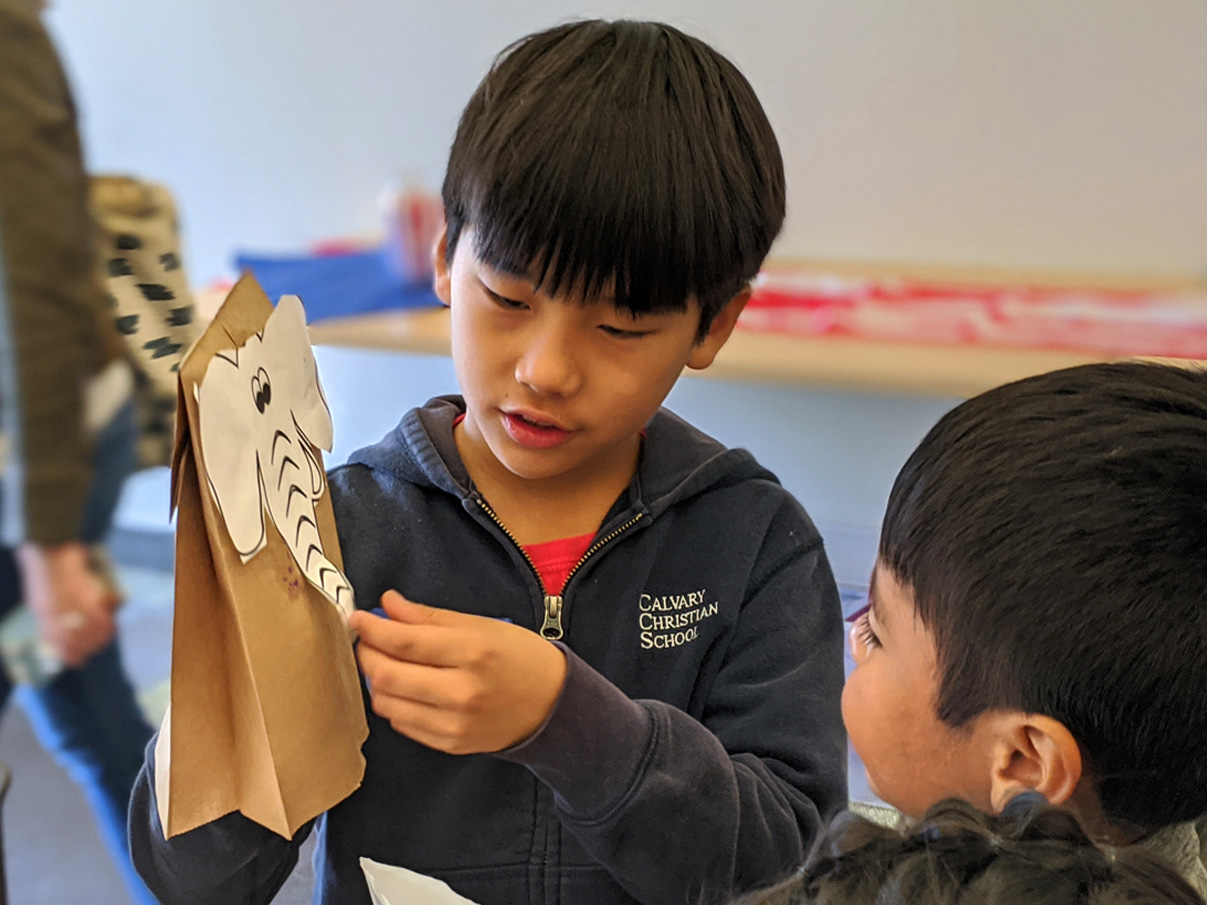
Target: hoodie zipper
(551, 628)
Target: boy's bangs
(587, 245)
(595, 240)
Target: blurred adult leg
(55, 328)
(89, 718)
(10, 599)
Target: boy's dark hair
(621, 157)
(1030, 854)
(1053, 533)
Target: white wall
(1062, 134)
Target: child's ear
(442, 279)
(1033, 753)
(718, 331)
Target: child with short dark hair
(1030, 854)
(611, 191)
(1038, 613)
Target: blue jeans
(88, 718)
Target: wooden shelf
(766, 357)
(836, 362)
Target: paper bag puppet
(266, 715)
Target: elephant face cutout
(260, 409)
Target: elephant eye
(261, 390)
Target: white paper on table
(390, 885)
(260, 408)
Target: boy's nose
(548, 365)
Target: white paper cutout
(260, 408)
(163, 762)
(390, 885)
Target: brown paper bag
(266, 715)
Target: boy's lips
(534, 429)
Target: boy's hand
(454, 682)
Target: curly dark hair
(1030, 854)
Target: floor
(51, 851)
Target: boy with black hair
(1038, 617)
(611, 192)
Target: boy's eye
(503, 302)
(621, 333)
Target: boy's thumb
(400, 609)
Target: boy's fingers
(425, 644)
(400, 609)
(389, 677)
(421, 722)
(359, 621)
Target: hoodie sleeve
(232, 859)
(680, 810)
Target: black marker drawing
(260, 408)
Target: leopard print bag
(139, 249)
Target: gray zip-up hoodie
(697, 743)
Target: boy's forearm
(232, 859)
(662, 799)
(593, 723)
(654, 796)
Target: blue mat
(336, 285)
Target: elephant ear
(230, 445)
(289, 359)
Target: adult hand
(458, 683)
(71, 601)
